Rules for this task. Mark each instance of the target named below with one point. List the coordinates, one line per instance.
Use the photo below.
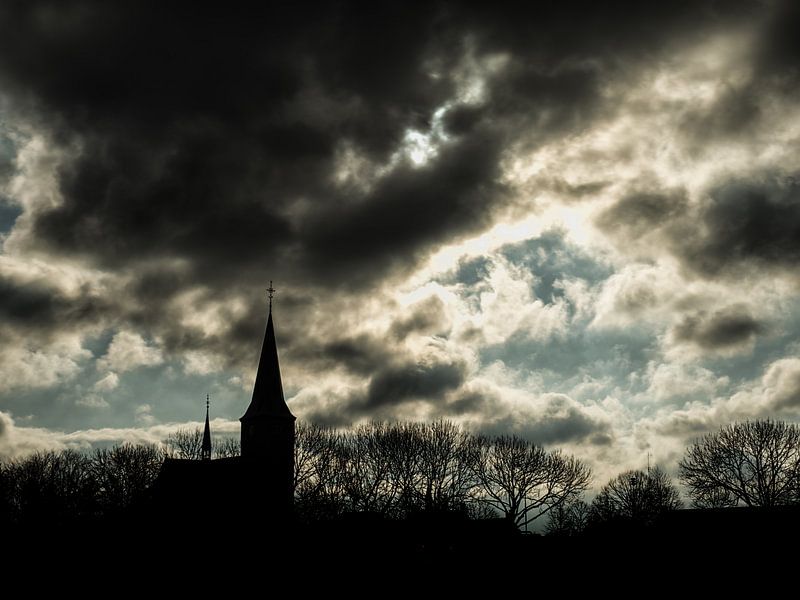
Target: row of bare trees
(187, 444)
(389, 469)
(753, 463)
(638, 497)
(60, 486)
(401, 468)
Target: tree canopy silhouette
(48, 487)
(187, 444)
(568, 519)
(755, 463)
(389, 469)
(638, 496)
(524, 481)
(123, 473)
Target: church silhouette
(261, 480)
(249, 498)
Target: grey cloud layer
(203, 154)
(736, 226)
(203, 150)
(731, 326)
(214, 140)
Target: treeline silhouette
(632, 499)
(394, 470)
(753, 464)
(402, 469)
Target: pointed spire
(268, 398)
(205, 452)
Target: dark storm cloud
(410, 210)
(560, 421)
(550, 103)
(740, 224)
(37, 309)
(7, 156)
(734, 113)
(745, 223)
(393, 386)
(426, 317)
(773, 72)
(360, 354)
(413, 381)
(200, 132)
(158, 282)
(639, 213)
(467, 401)
(779, 51)
(575, 192)
(202, 151)
(568, 425)
(574, 29)
(729, 327)
(8, 211)
(546, 102)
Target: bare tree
(524, 481)
(50, 487)
(713, 497)
(405, 467)
(447, 474)
(364, 463)
(227, 447)
(317, 475)
(311, 443)
(123, 473)
(185, 443)
(756, 463)
(405, 448)
(636, 495)
(568, 518)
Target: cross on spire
(271, 292)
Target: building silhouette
(267, 427)
(261, 480)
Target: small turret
(205, 452)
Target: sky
(576, 222)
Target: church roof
(268, 398)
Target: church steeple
(268, 400)
(205, 453)
(268, 430)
